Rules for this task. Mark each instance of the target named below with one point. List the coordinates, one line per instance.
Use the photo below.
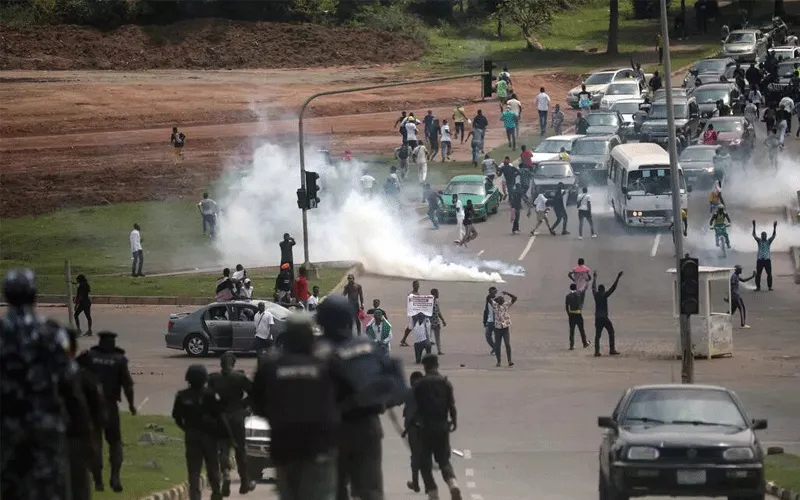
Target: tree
(529, 15)
(613, 27)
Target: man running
(560, 210)
(469, 229)
(764, 258)
(434, 200)
(459, 208)
(601, 319)
(773, 144)
(585, 212)
(509, 119)
(736, 299)
(540, 207)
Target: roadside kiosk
(712, 330)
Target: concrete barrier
(177, 492)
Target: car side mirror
(759, 424)
(606, 423)
(624, 190)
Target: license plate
(691, 477)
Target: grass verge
(575, 43)
(151, 467)
(181, 285)
(784, 470)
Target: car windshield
(786, 68)
(708, 96)
(741, 38)
(711, 66)
(698, 154)
(465, 188)
(727, 126)
(659, 111)
(623, 89)
(650, 181)
(554, 171)
(553, 146)
(599, 79)
(686, 406)
(602, 120)
(590, 148)
(783, 53)
(626, 108)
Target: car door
(217, 325)
(244, 330)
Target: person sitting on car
(225, 288)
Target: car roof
(676, 99)
(628, 100)
(792, 60)
(554, 162)
(468, 178)
(688, 387)
(784, 47)
(716, 85)
(729, 59)
(726, 119)
(251, 302)
(746, 30)
(596, 138)
(567, 137)
(701, 146)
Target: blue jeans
(209, 220)
(543, 122)
(511, 135)
(476, 151)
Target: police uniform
(109, 365)
(232, 387)
(197, 411)
(38, 397)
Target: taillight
(170, 325)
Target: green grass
(784, 470)
(575, 42)
(148, 468)
(180, 285)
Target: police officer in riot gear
(376, 382)
(39, 398)
(234, 389)
(197, 411)
(109, 365)
(296, 391)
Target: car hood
(696, 165)
(686, 435)
(738, 47)
(538, 157)
(728, 136)
(587, 159)
(476, 199)
(548, 182)
(602, 130)
(663, 123)
(590, 88)
(256, 423)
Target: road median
(783, 475)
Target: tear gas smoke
(761, 187)
(260, 205)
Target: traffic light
(312, 188)
(488, 78)
(302, 199)
(690, 286)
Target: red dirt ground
(73, 138)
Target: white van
(640, 185)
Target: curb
(356, 269)
(781, 493)
(178, 492)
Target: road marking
(145, 400)
(468, 454)
(470, 485)
(470, 472)
(527, 247)
(654, 250)
(480, 253)
(475, 496)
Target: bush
(104, 14)
(393, 19)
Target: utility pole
(687, 356)
(350, 91)
(70, 305)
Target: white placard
(420, 304)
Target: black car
(707, 70)
(591, 156)
(687, 121)
(708, 95)
(548, 174)
(680, 440)
(604, 123)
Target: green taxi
(484, 195)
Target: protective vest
(107, 367)
(200, 410)
(719, 219)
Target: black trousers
(763, 265)
(79, 470)
(86, 309)
(415, 447)
(738, 304)
(202, 449)
(500, 335)
(360, 463)
(488, 331)
(435, 445)
(576, 319)
(138, 262)
(599, 325)
(561, 215)
(515, 223)
(237, 442)
(420, 348)
(584, 215)
(460, 129)
(113, 435)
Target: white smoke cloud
(259, 205)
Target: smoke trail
(260, 205)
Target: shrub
(647, 9)
(394, 19)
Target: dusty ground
(90, 137)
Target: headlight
(642, 453)
(710, 170)
(734, 454)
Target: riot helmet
(19, 287)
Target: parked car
(549, 148)
(628, 89)
(745, 45)
(785, 72)
(597, 83)
(661, 94)
(258, 446)
(591, 156)
(604, 123)
(548, 174)
(687, 121)
(484, 195)
(735, 132)
(220, 326)
(680, 440)
(697, 162)
(708, 70)
(627, 108)
(708, 95)
(785, 52)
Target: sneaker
(89, 333)
(594, 236)
(745, 326)
(597, 354)
(510, 364)
(587, 344)
(433, 495)
(226, 488)
(455, 492)
(552, 232)
(580, 237)
(497, 365)
(613, 353)
(564, 233)
(413, 486)
(572, 348)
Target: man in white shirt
(420, 157)
(447, 141)
(516, 107)
(264, 322)
(421, 328)
(543, 106)
(584, 203)
(540, 206)
(459, 207)
(208, 210)
(411, 131)
(247, 290)
(367, 183)
(136, 251)
(313, 301)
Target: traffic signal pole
(687, 356)
(301, 139)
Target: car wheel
(196, 345)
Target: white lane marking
(468, 454)
(654, 250)
(470, 472)
(470, 485)
(145, 400)
(480, 253)
(527, 248)
(475, 496)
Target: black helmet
(196, 375)
(19, 287)
(335, 317)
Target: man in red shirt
(710, 135)
(300, 288)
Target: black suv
(687, 121)
(708, 95)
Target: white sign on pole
(420, 304)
